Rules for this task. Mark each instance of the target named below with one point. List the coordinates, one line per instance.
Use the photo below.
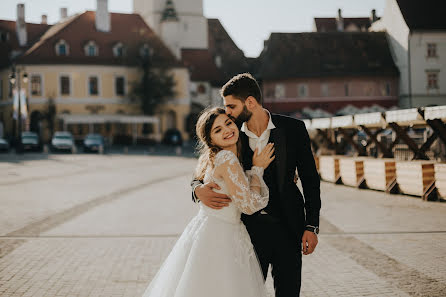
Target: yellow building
(88, 64)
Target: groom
(289, 224)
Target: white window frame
(67, 48)
(347, 88)
(435, 50)
(125, 85)
(434, 72)
(59, 84)
(41, 85)
(87, 46)
(325, 90)
(303, 86)
(99, 85)
(279, 91)
(142, 49)
(115, 50)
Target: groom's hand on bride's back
(208, 197)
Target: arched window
(91, 49)
(62, 48)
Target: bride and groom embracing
(252, 214)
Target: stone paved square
(89, 225)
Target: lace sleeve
(248, 191)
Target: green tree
(154, 87)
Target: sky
(248, 22)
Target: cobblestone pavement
(87, 225)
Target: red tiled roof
(129, 29)
(423, 15)
(330, 24)
(34, 32)
(221, 44)
(201, 65)
(316, 54)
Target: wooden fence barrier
(379, 174)
(415, 177)
(329, 168)
(352, 171)
(440, 179)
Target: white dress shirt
(256, 141)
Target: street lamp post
(16, 77)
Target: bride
(214, 255)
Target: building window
(388, 89)
(346, 90)
(36, 85)
(120, 86)
(62, 48)
(432, 80)
(279, 91)
(4, 36)
(432, 50)
(324, 90)
(65, 85)
(91, 49)
(145, 51)
(302, 90)
(93, 86)
(10, 88)
(118, 50)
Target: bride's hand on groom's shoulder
(208, 197)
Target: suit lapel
(279, 140)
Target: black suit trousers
(275, 245)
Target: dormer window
(145, 50)
(91, 49)
(118, 50)
(62, 48)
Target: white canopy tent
(91, 119)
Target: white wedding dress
(214, 257)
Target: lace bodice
(247, 190)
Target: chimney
(20, 24)
(44, 19)
(63, 13)
(340, 21)
(102, 16)
(374, 18)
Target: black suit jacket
(292, 151)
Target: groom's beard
(244, 116)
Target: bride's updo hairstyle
(205, 148)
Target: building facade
(327, 71)
(88, 64)
(417, 37)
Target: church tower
(179, 23)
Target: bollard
(101, 149)
(178, 150)
(45, 149)
(126, 149)
(73, 149)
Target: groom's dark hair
(241, 87)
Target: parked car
(62, 141)
(4, 145)
(172, 137)
(31, 142)
(94, 143)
